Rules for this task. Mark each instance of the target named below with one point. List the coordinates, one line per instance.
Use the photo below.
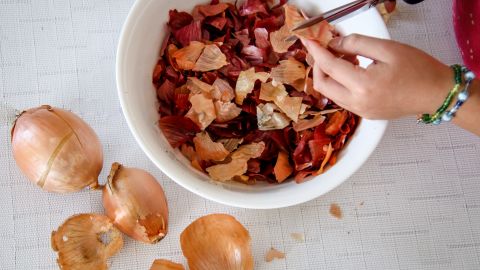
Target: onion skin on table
(217, 242)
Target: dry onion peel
(226, 111)
(305, 124)
(281, 40)
(161, 264)
(217, 242)
(238, 164)
(222, 90)
(270, 92)
(269, 117)
(231, 143)
(80, 245)
(136, 203)
(246, 82)
(196, 86)
(322, 32)
(207, 149)
(282, 169)
(56, 149)
(187, 57)
(210, 59)
(202, 111)
(288, 72)
(291, 106)
(327, 157)
(274, 254)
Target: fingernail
(335, 43)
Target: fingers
(329, 87)
(373, 48)
(340, 70)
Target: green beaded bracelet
(429, 119)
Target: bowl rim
(122, 47)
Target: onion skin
(136, 203)
(161, 264)
(217, 242)
(78, 242)
(56, 149)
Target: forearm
(468, 115)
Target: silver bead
(469, 76)
(437, 122)
(463, 96)
(447, 117)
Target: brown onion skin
(217, 242)
(56, 149)
(79, 244)
(136, 203)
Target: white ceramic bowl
(137, 54)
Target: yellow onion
(85, 242)
(136, 203)
(217, 242)
(56, 149)
(161, 264)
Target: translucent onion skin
(136, 203)
(85, 242)
(161, 264)
(217, 242)
(56, 149)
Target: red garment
(466, 20)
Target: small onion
(56, 149)
(85, 242)
(136, 203)
(217, 242)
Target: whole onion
(136, 203)
(56, 149)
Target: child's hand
(402, 80)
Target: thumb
(355, 44)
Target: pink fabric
(466, 20)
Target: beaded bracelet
(462, 97)
(436, 118)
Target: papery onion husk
(85, 242)
(280, 39)
(207, 149)
(56, 149)
(211, 58)
(274, 254)
(226, 111)
(161, 264)
(186, 57)
(246, 82)
(282, 169)
(136, 203)
(238, 164)
(217, 242)
(202, 111)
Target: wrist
(438, 91)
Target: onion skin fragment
(136, 203)
(78, 242)
(56, 149)
(161, 264)
(217, 242)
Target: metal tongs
(341, 13)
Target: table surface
(414, 205)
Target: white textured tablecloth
(414, 205)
